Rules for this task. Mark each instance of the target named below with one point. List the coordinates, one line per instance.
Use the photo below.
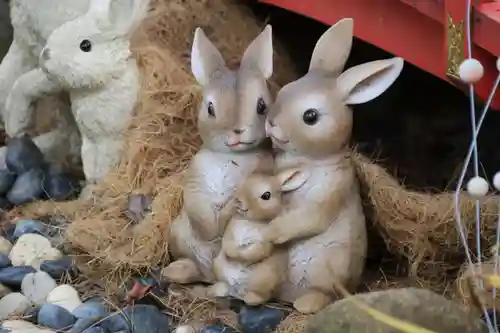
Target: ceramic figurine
(310, 124)
(90, 58)
(231, 122)
(33, 22)
(249, 267)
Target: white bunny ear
(333, 47)
(292, 179)
(205, 58)
(365, 82)
(122, 16)
(259, 54)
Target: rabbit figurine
(310, 124)
(90, 58)
(33, 22)
(231, 122)
(249, 267)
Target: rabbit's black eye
(310, 117)
(266, 196)
(261, 106)
(86, 45)
(210, 109)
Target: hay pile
(421, 227)
(162, 138)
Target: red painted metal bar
(414, 30)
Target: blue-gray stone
(90, 309)
(29, 227)
(13, 276)
(217, 329)
(27, 187)
(55, 317)
(4, 261)
(84, 325)
(142, 318)
(23, 155)
(5, 204)
(7, 179)
(59, 186)
(57, 268)
(261, 319)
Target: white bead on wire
(471, 71)
(477, 186)
(498, 64)
(496, 181)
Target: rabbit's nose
(239, 130)
(45, 54)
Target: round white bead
(496, 181)
(477, 186)
(471, 71)
(498, 64)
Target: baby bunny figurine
(231, 122)
(90, 58)
(248, 266)
(310, 124)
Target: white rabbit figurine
(231, 122)
(33, 22)
(310, 124)
(248, 266)
(90, 58)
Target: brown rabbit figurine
(249, 267)
(310, 124)
(231, 122)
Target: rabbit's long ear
(333, 47)
(205, 58)
(122, 16)
(293, 178)
(365, 82)
(259, 54)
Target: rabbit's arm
(26, 90)
(207, 218)
(311, 218)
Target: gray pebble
(143, 319)
(55, 317)
(13, 276)
(27, 188)
(84, 325)
(29, 227)
(23, 155)
(7, 179)
(57, 268)
(4, 261)
(90, 309)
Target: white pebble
(477, 186)
(64, 296)
(5, 246)
(37, 286)
(21, 326)
(471, 71)
(496, 181)
(184, 329)
(32, 250)
(14, 304)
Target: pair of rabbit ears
(120, 16)
(206, 58)
(358, 84)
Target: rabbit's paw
(252, 299)
(17, 113)
(312, 302)
(219, 289)
(182, 271)
(276, 235)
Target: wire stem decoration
(471, 71)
